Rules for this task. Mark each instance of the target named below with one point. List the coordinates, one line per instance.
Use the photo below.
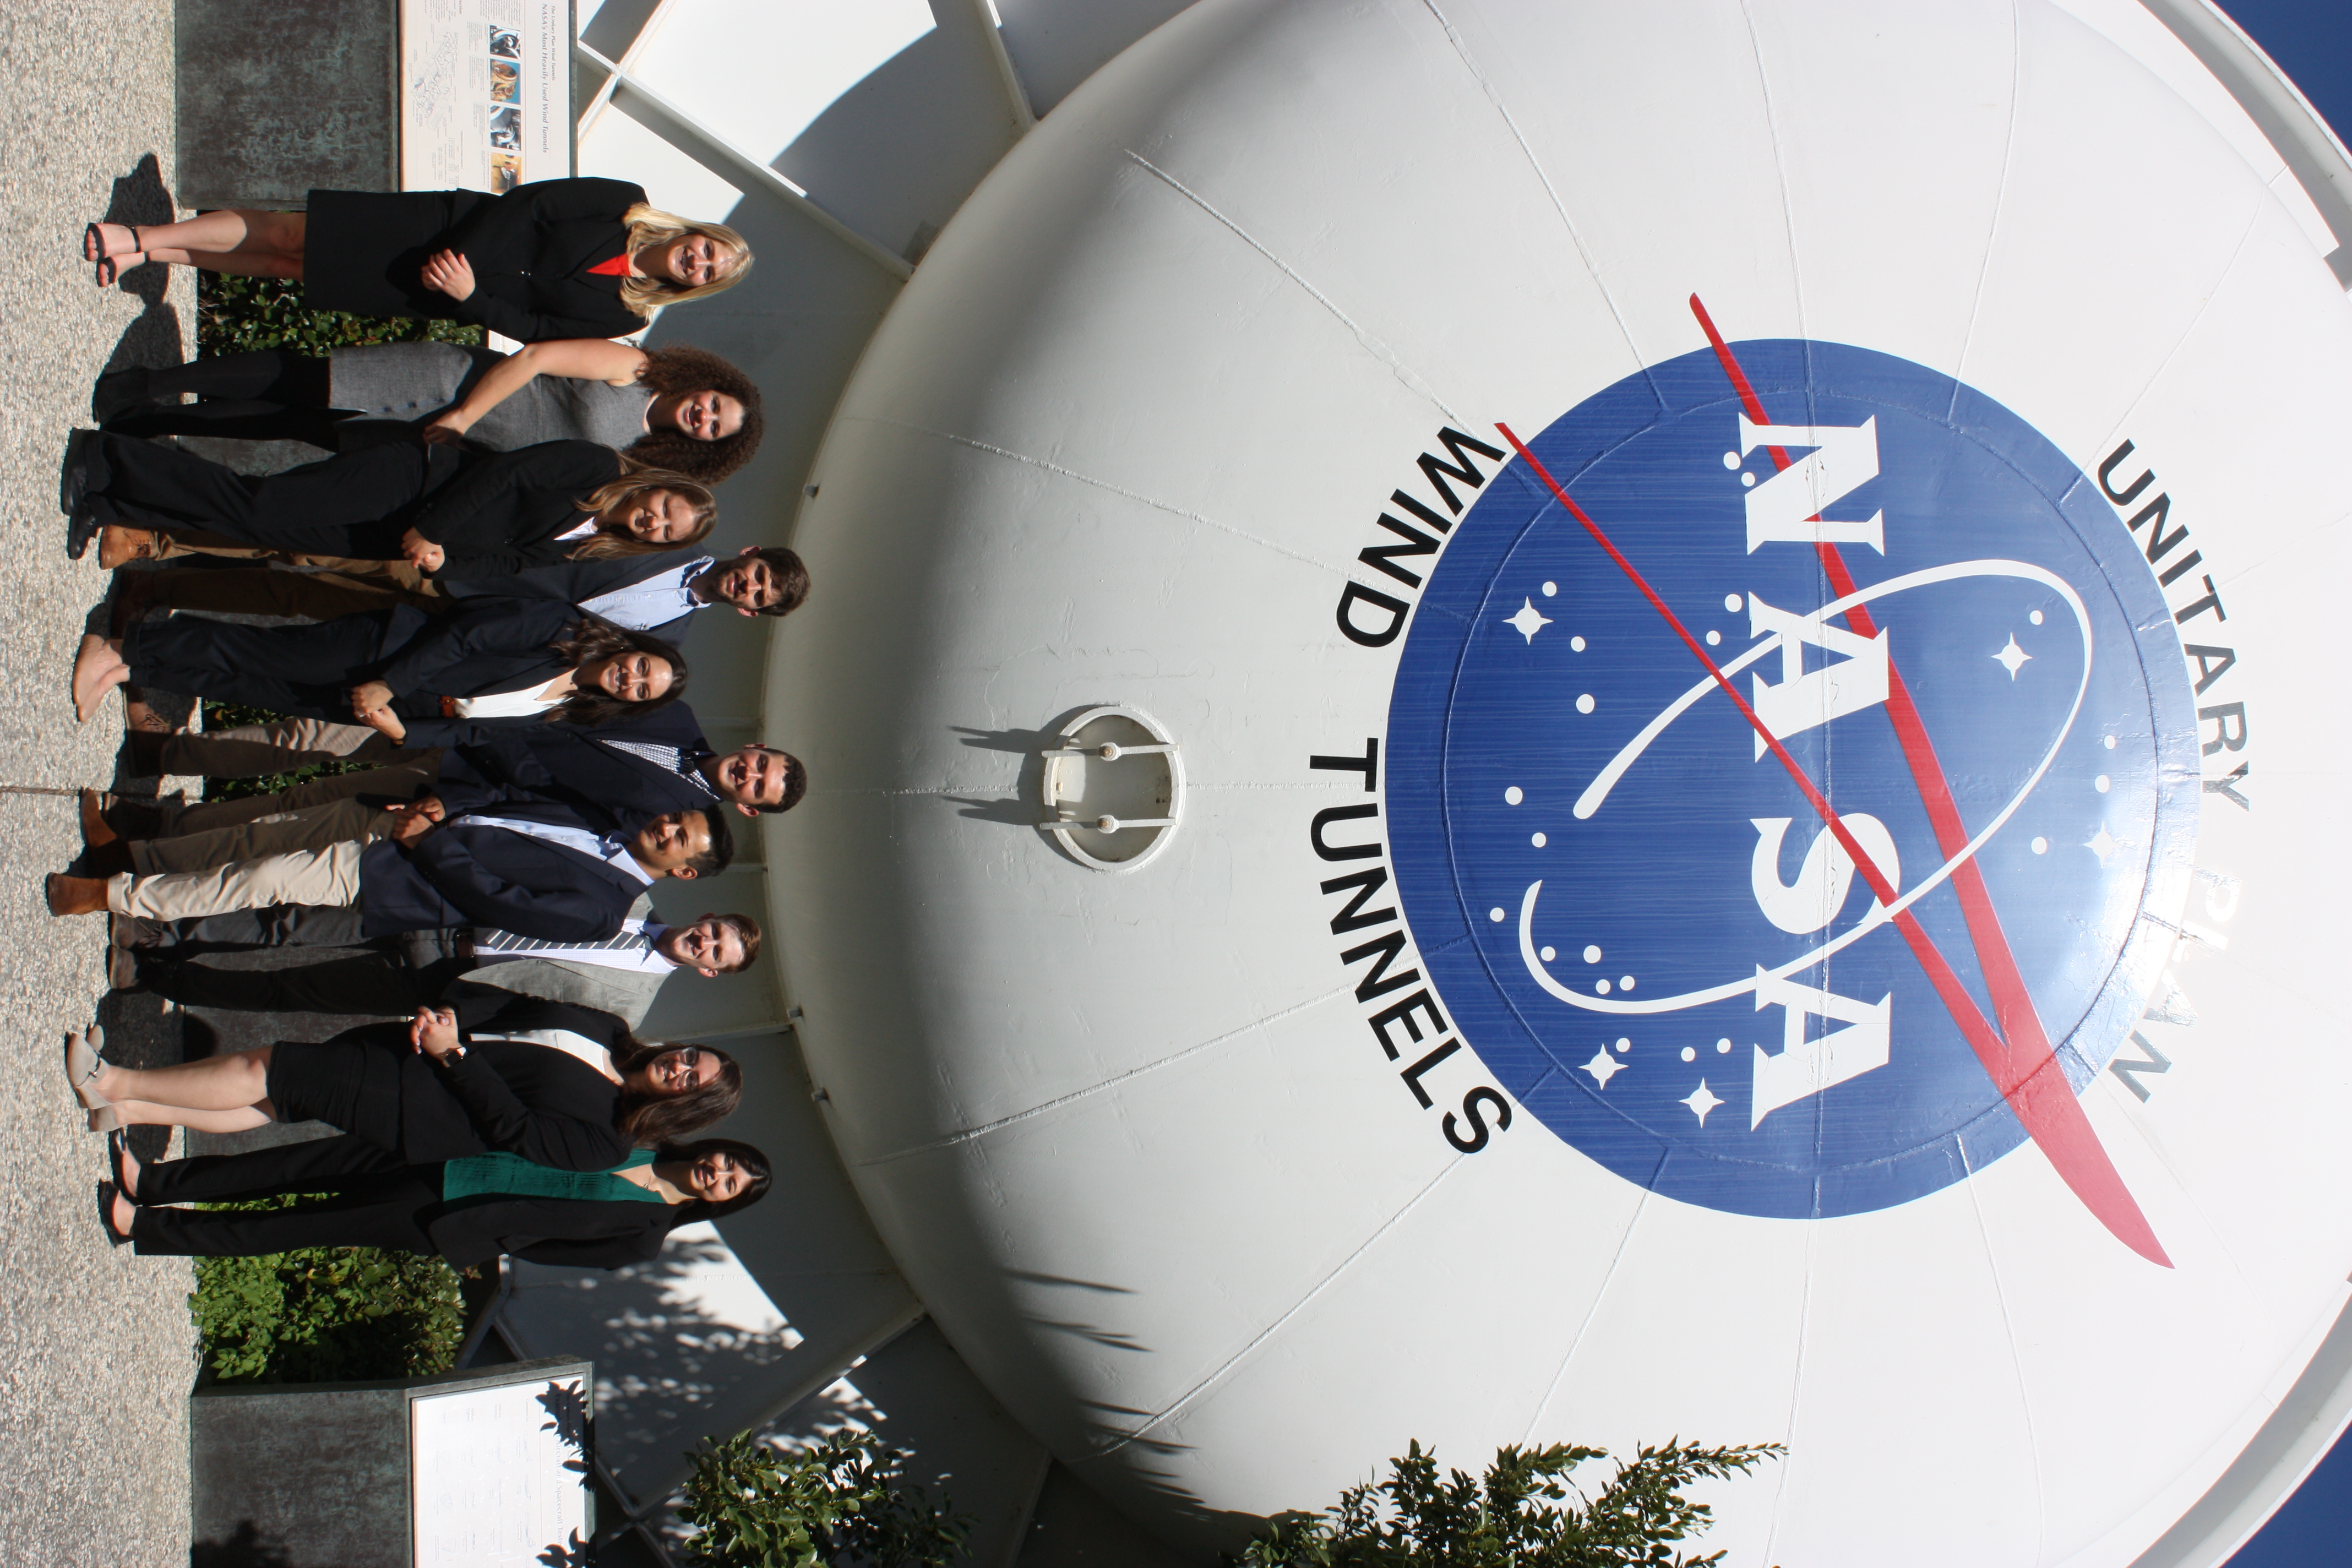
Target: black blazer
(488, 646)
(501, 514)
(575, 1233)
(575, 764)
(531, 251)
(544, 1104)
(462, 873)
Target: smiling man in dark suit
(535, 868)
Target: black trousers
(279, 925)
(356, 504)
(264, 394)
(303, 671)
(370, 1199)
(382, 982)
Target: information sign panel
(485, 93)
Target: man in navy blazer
(648, 763)
(535, 868)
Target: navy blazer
(574, 764)
(531, 251)
(489, 646)
(467, 873)
(574, 583)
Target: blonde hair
(609, 541)
(650, 228)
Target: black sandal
(110, 268)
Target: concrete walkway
(96, 1350)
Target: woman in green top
(468, 1211)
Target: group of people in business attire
(477, 600)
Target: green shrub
(846, 1500)
(325, 1314)
(219, 716)
(1513, 1518)
(236, 314)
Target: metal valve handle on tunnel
(1112, 789)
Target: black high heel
(106, 1195)
(117, 1151)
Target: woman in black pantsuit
(424, 1091)
(467, 1211)
(454, 514)
(417, 677)
(554, 259)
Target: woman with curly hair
(416, 677)
(451, 514)
(680, 408)
(550, 259)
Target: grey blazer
(625, 993)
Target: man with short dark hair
(536, 867)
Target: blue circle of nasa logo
(1778, 832)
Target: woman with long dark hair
(416, 677)
(552, 259)
(557, 1084)
(452, 515)
(681, 409)
(466, 1210)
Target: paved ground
(95, 1345)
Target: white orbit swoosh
(1879, 914)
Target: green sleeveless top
(512, 1176)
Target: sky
(2311, 40)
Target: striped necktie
(489, 939)
(670, 759)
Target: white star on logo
(1603, 1067)
(1527, 622)
(1701, 1102)
(2101, 844)
(2012, 657)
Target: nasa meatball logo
(1791, 780)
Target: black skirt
(363, 250)
(345, 1082)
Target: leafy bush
(1513, 1519)
(325, 1314)
(219, 716)
(845, 1500)
(236, 314)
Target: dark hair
(651, 1121)
(593, 638)
(753, 1163)
(795, 780)
(721, 853)
(792, 579)
(679, 368)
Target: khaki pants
(328, 877)
(186, 541)
(400, 780)
(274, 833)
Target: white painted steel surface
(1122, 440)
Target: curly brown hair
(682, 368)
(593, 638)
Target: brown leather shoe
(119, 545)
(121, 969)
(95, 830)
(76, 895)
(138, 717)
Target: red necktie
(618, 267)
